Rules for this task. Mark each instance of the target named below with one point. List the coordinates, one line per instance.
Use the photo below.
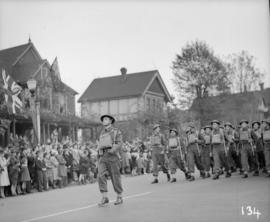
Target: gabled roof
(112, 87)
(22, 73)
(9, 56)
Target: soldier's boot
(221, 172)
(256, 173)
(191, 178)
(268, 174)
(173, 180)
(241, 172)
(208, 175)
(187, 175)
(202, 174)
(154, 181)
(216, 176)
(104, 201)
(228, 174)
(119, 200)
(245, 175)
(168, 177)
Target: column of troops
(214, 148)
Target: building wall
(121, 109)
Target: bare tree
(243, 73)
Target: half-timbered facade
(125, 96)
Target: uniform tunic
(175, 155)
(193, 153)
(219, 151)
(109, 163)
(205, 152)
(157, 141)
(246, 149)
(266, 142)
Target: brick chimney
(261, 86)
(124, 73)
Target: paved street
(201, 200)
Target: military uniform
(109, 146)
(230, 144)
(246, 149)
(206, 150)
(259, 145)
(176, 156)
(266, 143)
(219, 152)
(193, 154)
(157, 143)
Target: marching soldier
(110, 142)
(219, 150)
(230, 144)
(206, 150)
(247, 148)
(193, 153)
(157, 141)
(176, 157)
(259, 144)
(266, 143)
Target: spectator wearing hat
(246, 148)
(219, 150)
(13, 172)
(62, 169)
(24, 175)
(193, 152)
(109, 145)
(175, 154)
(49, 169)
(266, 143)
(41, 172)
(206, 149)
(258, 142)
(55, 164)
(157, 141)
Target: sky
(94, 39)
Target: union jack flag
(12, 92)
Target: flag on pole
(12, 91)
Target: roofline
(109, 98)
(162, 84)
(26, 50)
(154, 70)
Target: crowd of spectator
(26, 169)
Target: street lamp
(35, 105)
(32, 85)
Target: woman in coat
(4, 180)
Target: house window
(104, 107)
(154, 104)
(148, 104)
(123, 106)
(113, 107)
(133, 105)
